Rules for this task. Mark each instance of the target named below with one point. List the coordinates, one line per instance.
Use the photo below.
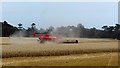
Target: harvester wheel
(76, 41)
(42, 41)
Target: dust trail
(19, 38)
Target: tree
(80, 26)
(110, 31)
(33, 25)
(80, 30)
(92, 32)
(117, 31)
(33, 29)
(7, 29)
(105, 28)
(51, 29)
(20, 26)
(105, 33)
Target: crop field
(88, 52)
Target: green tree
(20, 26)
(33, 25)
(117, 31)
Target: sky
(45, 14)
(59, 0)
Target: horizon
(57, 27)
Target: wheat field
(27, 48)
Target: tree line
(78, 31)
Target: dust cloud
(18, 38)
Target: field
(88, 52)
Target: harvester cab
(46, 37)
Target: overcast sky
(45, 14)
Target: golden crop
(28, 47)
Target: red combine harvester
(47, 37)
(53, 38)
